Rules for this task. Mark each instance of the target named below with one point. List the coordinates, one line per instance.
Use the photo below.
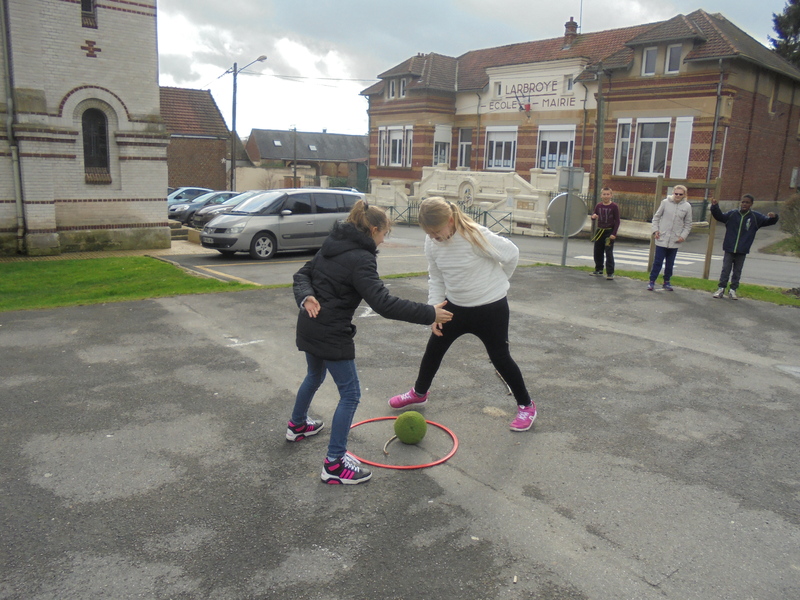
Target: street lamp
(235, 70)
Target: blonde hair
(682, 187)
(365, 217)
(435, 212)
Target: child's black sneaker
(346, 470)
(295, 433)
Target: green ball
(410, 427)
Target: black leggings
(490, 324)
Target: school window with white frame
(673, 60)
(403, 88)
(501, 147)
(556, 146)
(623, 147)
(652, 142)
(394, 146)
(465, 147)
(391, 92)
(442, 137)
(649, 56)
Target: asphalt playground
(143, 453)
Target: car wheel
(263, 246)
(187, 220)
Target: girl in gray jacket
(671, 225)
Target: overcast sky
(322, 53)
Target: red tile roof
(591, 46)
(191, 112)
(713, 35)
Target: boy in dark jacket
(740, 230)
(606, 213)
(328, 290)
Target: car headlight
(236, 229)
(177, 207)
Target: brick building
(691, 98)
(199, 139)
(316, 154)
(83, 157)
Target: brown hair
(434, 213)
(365, 217)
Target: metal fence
(496, 220)
(635, 208)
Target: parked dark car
(184, 211)
(182, 194)
(275, 220)
(205, 214)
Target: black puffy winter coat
(341, 274)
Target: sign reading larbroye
(533, 94)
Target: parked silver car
(276, 220)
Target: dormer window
(403, 88)
(673, 61)
(392, 85)
(649, 61)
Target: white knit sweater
(465, 274)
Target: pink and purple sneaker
(407, 399)
(526, 415)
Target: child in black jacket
(740, 231)
(328, 290)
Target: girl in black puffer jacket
(328, 290)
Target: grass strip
(50, 284)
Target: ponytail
(365, 217)
(434, 213)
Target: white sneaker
(732, 295)
(720, 293)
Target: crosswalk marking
(640, 258)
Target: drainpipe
(478, 132)
(713, 148)
(12, 143)
(585, 120)
(601, 127)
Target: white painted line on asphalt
(636, 262)
(237, 344)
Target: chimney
(570, 33)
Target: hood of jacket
(345, 237)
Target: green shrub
(790, 216)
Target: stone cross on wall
(91, 51)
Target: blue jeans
(663, 254)
(346, 378)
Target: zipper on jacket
(739, 233)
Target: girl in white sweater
(469, 267)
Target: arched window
(95, 146)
